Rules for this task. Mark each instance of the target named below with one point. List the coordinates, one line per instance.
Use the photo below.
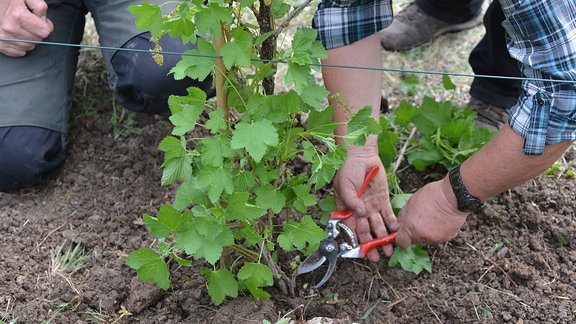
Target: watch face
(470, 205)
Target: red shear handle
(366, 247)
(346, 213)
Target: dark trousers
(490, 56)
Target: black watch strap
(466, 202)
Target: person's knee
(144, 86)
(29, 156)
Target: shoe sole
(451, 29)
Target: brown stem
(220, 75)
(267, 51)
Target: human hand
(23, 19)
(431, 215)
(371, 212)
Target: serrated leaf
(432, 115)
(181, 261)
(177, 164)
(214, 149)
(208, 19)
(255, 137)
(322, 121)
(185, 120)
(255, 276)
(216, 121)
(360, 126)
(166, 221)
(314, 95)
(187, 194)
(276, 108)
(300, 75)
(240, 209)
(216, 180)
(303, 198)
(249, 234)
(299, 234)
(238, 51)
(269, 198)
(197, 63)
(221, 283)
(413, 259)
(244, 181)
(148, 17)
(150, 267)
(404, 113)
(205, 239)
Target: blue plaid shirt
(541, 37)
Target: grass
(68, 260)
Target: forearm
(353, 89)
(501, 164)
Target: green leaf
(209, 18)
(304, 198)
(221, 283)
(216, 121)
(249, 234)
(324, 166)
(409, 85)
(432, 116)
(300, 75)
(299, 234)
(413, 259)
(238, 51)
(387, 143)
(255, 276)
(187, 194)
(148, 17)
(447, 83)
(360, 126)
(404, 113)
(185, 120)
(275, 108)
(424, 156)
(322, 121)
(267, 197)
(244, 181)
(216, 180)
(214, 149)
(314, 95)
(197, 63)
(177, 164)
(205, 238)
(255, 137)
(181, 24)
(168, 220)
(196, 97)
(240, 209)
(150, 267)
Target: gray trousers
(35, 90)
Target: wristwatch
(466, 202)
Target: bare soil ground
(112, 177)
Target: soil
(112, 178)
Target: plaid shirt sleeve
(343, 22)
(542, 37)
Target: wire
(385, 69)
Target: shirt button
(541, 101)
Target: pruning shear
(331, 250)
